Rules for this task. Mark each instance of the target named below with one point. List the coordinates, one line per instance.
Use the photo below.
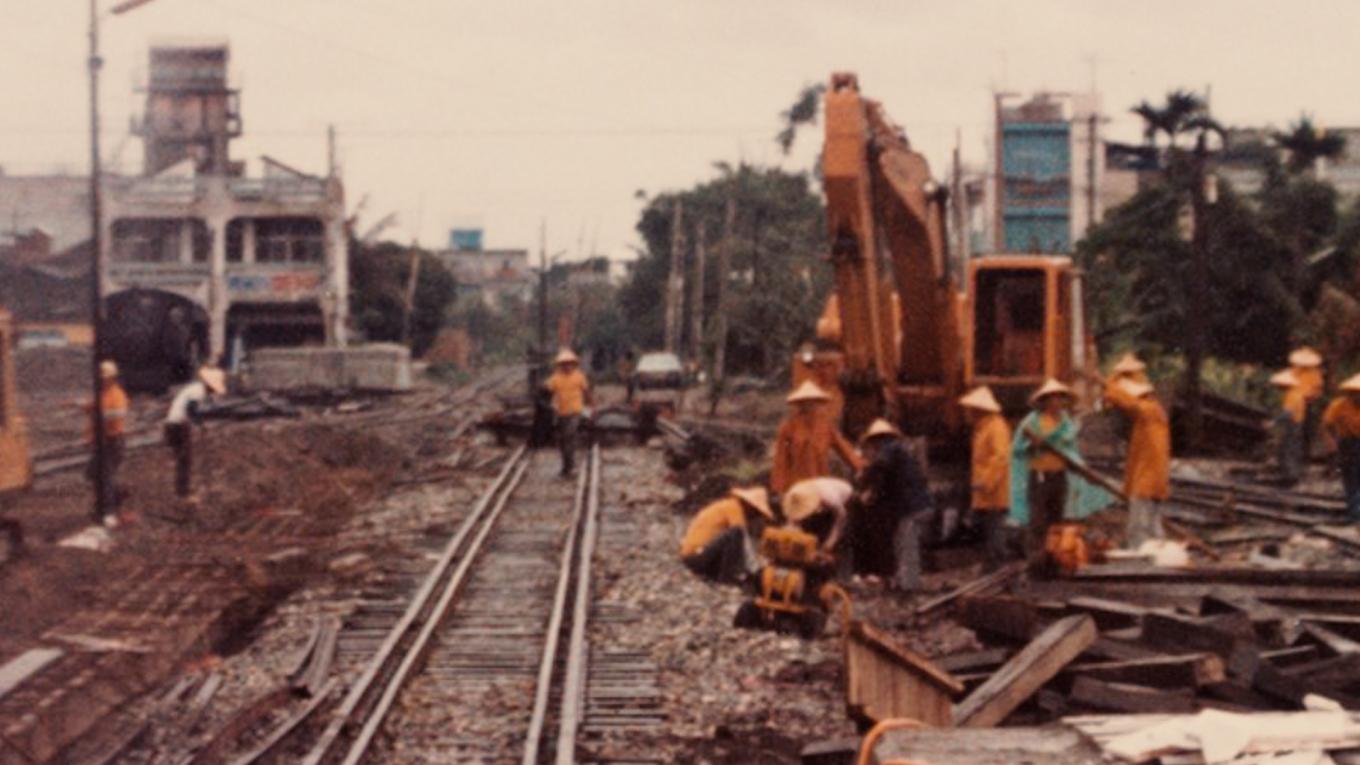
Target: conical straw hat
(808, 391)
(880, 427)
(1129, 364)
(1305, 357)
(1284, 378)
(756, 497)
(981, 398)
(1049, 388)
(1352, 384)
(801, 501)
(565, 356)
(1136, 389)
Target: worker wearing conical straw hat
(1038, 475)
(571, 394)
(805, 439)
(717, 543)
(1307, 366)
(895, 502)
(1341, 425)
(1147, 468)
(185, 411)
(113, 404)
(1289, 424)
(990, 476)
(820, 506)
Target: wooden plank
(1000, 616)
(1183, 671)
(1024, 674)
(1133, 699)
(1109, 614)
(1338, 599)
(1109, 649)
(1174, 632)
(975, 587)
(974, 660)
(886, 680)
(25, 665)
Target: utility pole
(100, 464)
(542, 295)
(1091, 197)
(413, 276)
(696, 295)
(1199, 295)
(719, 371)
(675, 282)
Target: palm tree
(1185, 113)
(1306, 143)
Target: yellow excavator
(16, 465)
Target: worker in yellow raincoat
(803, 444)
(1147, 469)
(991, 469)
(717, 543)
(571, 394)
(114, 405)
(1306, 364)
(1289, 426)
(1341, 424)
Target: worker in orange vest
(1289, 425)
(113, 402)
(717, 543)
(571, 394)
(1341, 424)
(991, 469)
(803, 444)
(1147, 469)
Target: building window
(289, 240)
(158, 240)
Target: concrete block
(384, 367)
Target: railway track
(489, 658)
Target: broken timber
(976, 587)
(885, 680)
(1024, 674)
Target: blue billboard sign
(465, 239)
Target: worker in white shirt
(183, 415)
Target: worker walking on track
(820, 506)
(1038, 475)
(717, 543)
(182, 416)
(1147, 468)
(1341, 424)
(1289, 423)
(802, 447)
(114, 404)
(991, 470)
(894, 500)
(571, 394)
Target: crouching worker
(716, 544)
(819, 507)
(183, 415)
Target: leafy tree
(379, 274)
(1306, 143)
(777, 279)
(802, 112)
(1139, 278)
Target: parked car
(658, 385)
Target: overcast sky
(506, 114)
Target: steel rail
(573, 685)
(382, 658)
(538, 719)
(415, 654)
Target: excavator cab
(1024, 325)
(16, 467)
